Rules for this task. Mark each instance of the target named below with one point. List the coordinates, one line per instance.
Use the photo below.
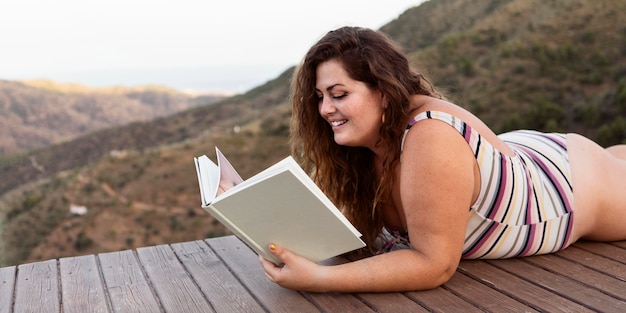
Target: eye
(340, 96)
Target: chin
(341, 142)
(344, 142)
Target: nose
(326, 106)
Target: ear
(385, 103)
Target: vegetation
(556, 65)
(562, 70)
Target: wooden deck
(224, 275)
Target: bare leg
(599, 189)
(618, 151)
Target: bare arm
(436, 186)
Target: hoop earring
(382, 119)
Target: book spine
(240, 234)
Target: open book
(280, 205)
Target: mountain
(547, 65)
(35, 114)
(551, 65)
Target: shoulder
(437, 159)
(434, 142)
(437, 185)
(430, 142)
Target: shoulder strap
(447, 118)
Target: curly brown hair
(347, 174)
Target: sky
(191, 45)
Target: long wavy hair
(347, 174)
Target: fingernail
(273, 247)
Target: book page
(228, 177)
(268, 172)
(208, 176)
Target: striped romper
(524, 206)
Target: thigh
(618, 151)
(599, 190)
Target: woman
(403, 163)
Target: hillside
(39, 113)
(547, 65)
(219, 117)
(137, 181)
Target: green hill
(547, 65)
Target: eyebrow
(331, 87)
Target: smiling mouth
(338, 123)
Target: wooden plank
(561, 285)
(621, 244)
(605, 283)
(174, 287)
(128, 288)
(594, 261)
(519, 289)
(244, 264)
(391, 302)
(381, 302)
(442, 300)
(223, 274)
(483, 296)
(37, 287)
(7, 288)
(223, 290)
(606, 250)
(81, 285)
(343, 302)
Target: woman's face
(352, 109)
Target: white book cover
(279, 205)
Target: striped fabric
(524, 206)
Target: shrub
(82, 242)
(612, 133)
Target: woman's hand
(295, 273)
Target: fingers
(272, 270)
(281, 253)
(268, 267)
(295, 272)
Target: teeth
(337, 123)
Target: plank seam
(230, 270)
(556, 292)
(470, 301)
(617, 297)
(14, 293)
(148, 280)
(105, 288)
(57, 262)
(504, 292)
(592, 268)
(195, 282)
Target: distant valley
(36, 114)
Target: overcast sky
(76, 39)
